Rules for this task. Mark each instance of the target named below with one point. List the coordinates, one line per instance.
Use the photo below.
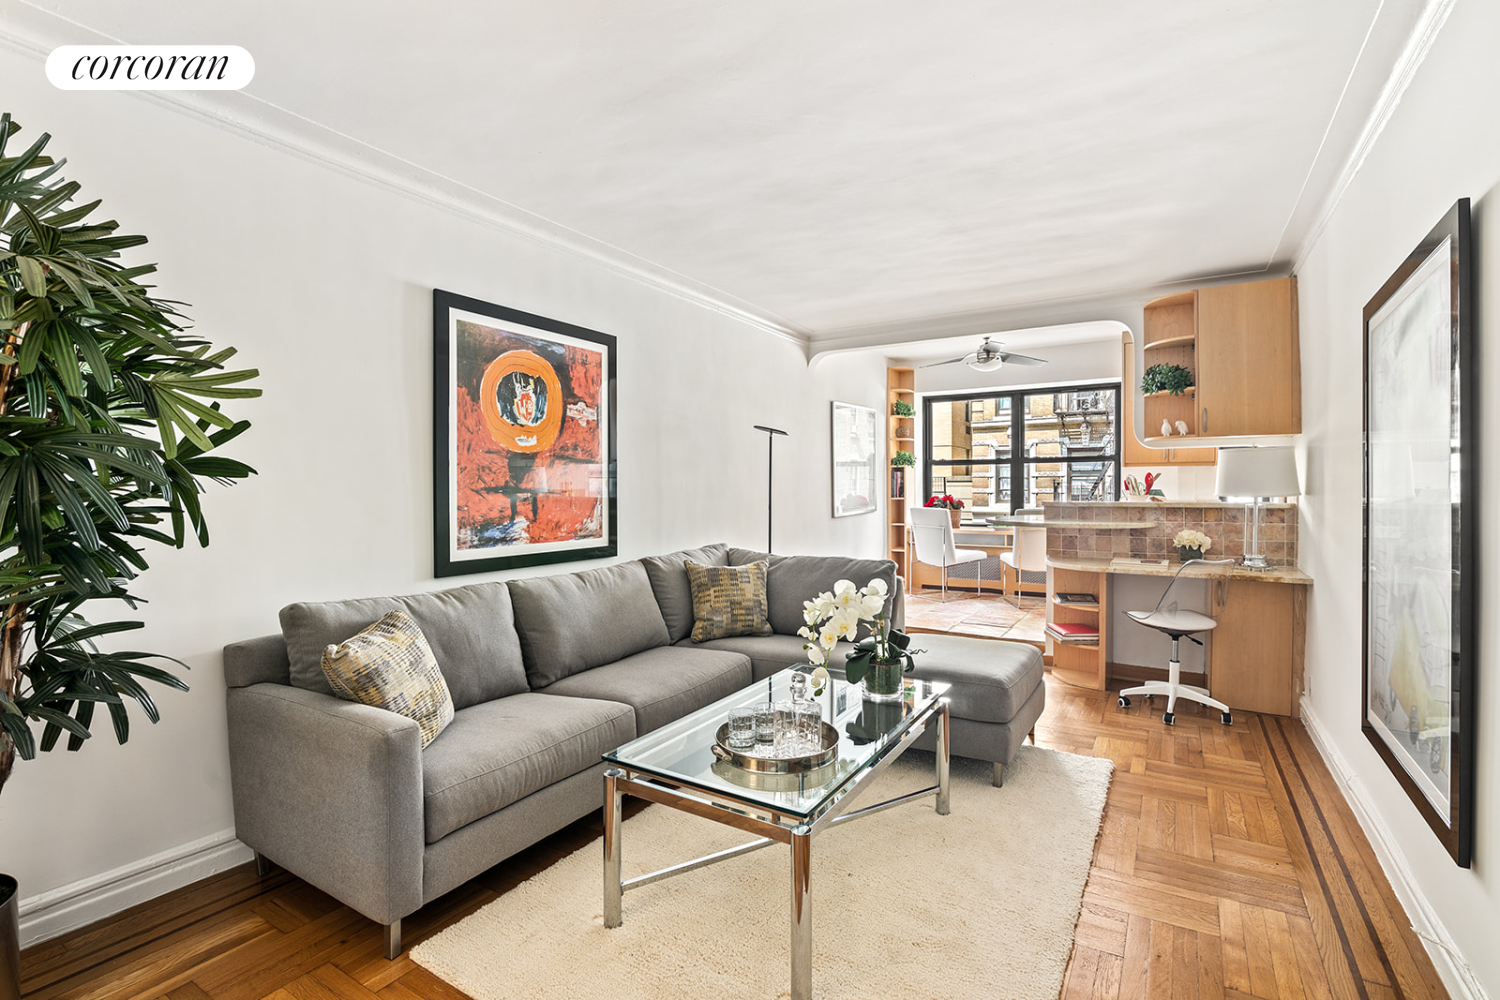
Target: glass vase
(884, 681)
(1184, 553)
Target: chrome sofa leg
(998, 779)
(393, 940)
(262, 865)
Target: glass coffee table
(676, 766)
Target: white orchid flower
(877, 587)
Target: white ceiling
(834, 166)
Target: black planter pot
(10, 939)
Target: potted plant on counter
(105, 442)
(950, 502)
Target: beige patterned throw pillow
(728, 600)
(389, 665)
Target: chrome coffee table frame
(772, 826)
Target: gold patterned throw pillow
(728, 600)
(389, 665)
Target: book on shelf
(1072, 632)
(1074, 598)
(898, 484)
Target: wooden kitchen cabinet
(1255, 653)
(1138, 454)
(1240, 343)
(1249, 368)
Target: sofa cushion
(992, 679)
(389, 665)
(578, 621)
(661, 684)
(470, 630)
(501, 751)
(669, 581)
(793, 580)
(728, 601)
(770, 654)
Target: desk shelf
(1078, 663)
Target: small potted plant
(954, 505)
(903, 459)
(904, 409)
(1173, 379)
(1191, 544)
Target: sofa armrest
(898, 607)
(332, 791)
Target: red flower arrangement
(946, 500)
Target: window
(1000, 451)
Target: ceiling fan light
(987, 364)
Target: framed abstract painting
(1420, 512)
(523, 439)
(856, 466)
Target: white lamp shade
(987, 365)
(1257, 472)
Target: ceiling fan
(989, 357)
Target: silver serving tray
(776, 765)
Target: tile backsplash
(1225, 524)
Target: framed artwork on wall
(1420, 511)
(523, 439)
(856, 465)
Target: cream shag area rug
(981, 903)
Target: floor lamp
(771, 433)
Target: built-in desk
(1253, 658)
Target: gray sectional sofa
(546, 674)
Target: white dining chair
(1027, 558)
(932, 535)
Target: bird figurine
(1182, 427)
(1166, 428)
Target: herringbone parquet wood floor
(1228, 867)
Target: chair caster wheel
(1227, 719)
(1124, 701)
(1169, 718)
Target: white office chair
(932, 535)
(1178, 624)
(1027, 558)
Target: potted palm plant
(109, 420)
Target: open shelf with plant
(901, 411)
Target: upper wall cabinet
(1240, 344)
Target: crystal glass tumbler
(765, 726)
(741, 728)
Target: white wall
(1440, 145)
(324, 282)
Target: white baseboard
(81, 903)
(1457, 976)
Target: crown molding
(1423, 34)
(284, 131)
(1121, 307)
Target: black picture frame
(1421, 513)
(514, 455)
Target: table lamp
(1257, 473)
